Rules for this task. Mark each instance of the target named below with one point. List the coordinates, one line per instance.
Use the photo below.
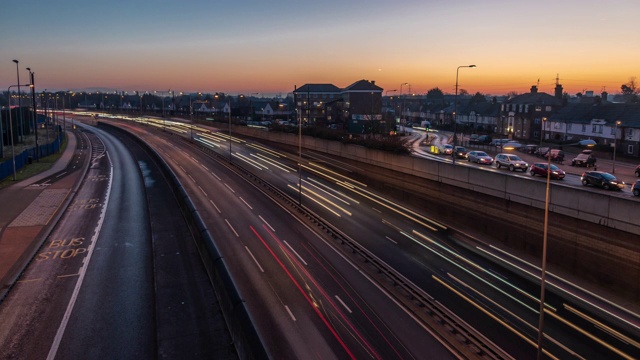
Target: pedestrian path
(26, 215)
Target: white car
(479, 157)
(446, 149)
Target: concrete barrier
(599, 208)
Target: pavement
(28, 213)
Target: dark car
(541, 169)
(635, 188)
(482, 139)
(585, 158)
(601, 179)
(459, 152)
(529, 149)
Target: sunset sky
(267, 47)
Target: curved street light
(455, 108)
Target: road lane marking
(204, 192)
(231, 227)
(390, 239)
(229, 187)
(343, 304)
(266, 223)
(246, 203)
(83, 271)
(30, 280)
(290, 313)
(68, 275)
(254, 259)
(214, 205)
(295, 252)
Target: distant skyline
(269, 47)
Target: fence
(27, 156)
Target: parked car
(479, 157)
(541, 169)
(499, 142)
(460, 152)
(529, 149)
(585, 158)
(635, 188)
(446, 149)
(511, 162)
(601, 179)
(638, 171)
(481, 140)
(556, 155)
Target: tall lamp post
(19, 103)
(35, 113)
(13, 155)
(544, 120)
(402, 101)
(543, 267)
(455, 108)
(615, 145)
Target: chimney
(604, 96)
(373, 82)
(534, 89)
(558, 91)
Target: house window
(536, 121)
(596, 129)
(548, 108)
(556, 125)
(568, 126)
(538, 108)
(315, 96)
(630, 149)
(584, 128)
(536, 134)
(629, 133)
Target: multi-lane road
(311, 295)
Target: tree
(630, 91)
(463, 92)
(435, 94)
(478, 98)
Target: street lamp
(13, 155)
(615, 141)
(19, 104)
(455, 108)
(545, 229)
(35, 113)
(402, 101)
(544, 120)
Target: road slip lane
(34, 309)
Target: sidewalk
(28, 213)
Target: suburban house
(522, 116)
(358, 107)
(606, 123)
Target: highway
(308, 290)
(486, 293)
(297, 287)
